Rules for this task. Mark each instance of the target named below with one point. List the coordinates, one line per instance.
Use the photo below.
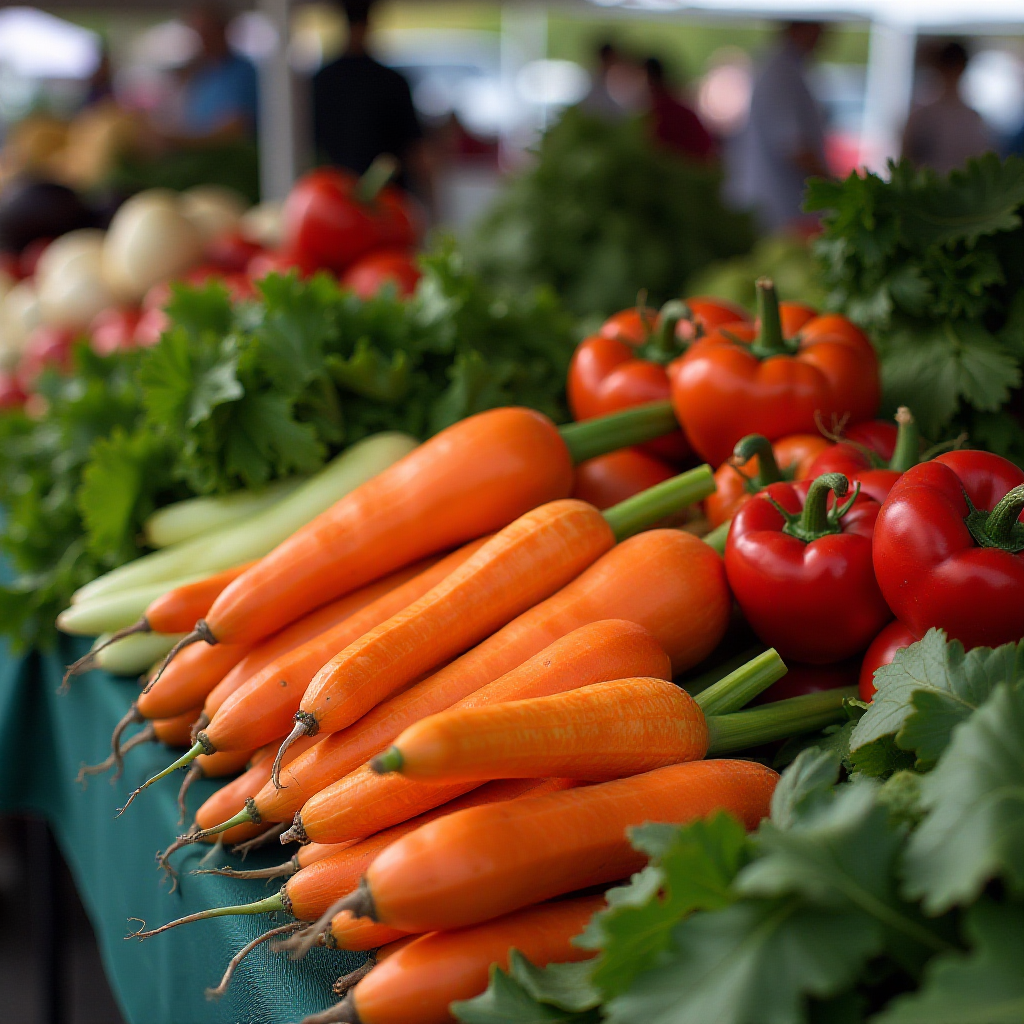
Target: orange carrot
(420, 980)
(602, 731)
(667, 580)
(480, 862)
(475, 477)
(313, 890)
(606, 649)
(359, 933)
(262, 707)
(175, 731)
(189, 680)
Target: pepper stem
(817, 520)
(663, 346)
(779, 720)
(768, 471)
(1000, 527)
(643, 509)
(908, 441)
(770, 341)
(603, 434)
(741, 686)
(375, 177)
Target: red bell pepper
(799, 565)
(883, 649)
(332, 217)
(372, 272)
(755, 464)
(949, 548)
(804, 679)
(611, 478)
(742, 379)
(624, 363)
(877, 462)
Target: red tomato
(609, 479)
(883, 649)
(153, 322)
(113, 329)
(46, 346)
(231, 253)
(280, 261)
(369, 274)
(11, 395)
(801, 679)
(29, 259)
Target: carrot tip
(296, 834)
(305, 725)
(390, 761)
(88, 661)
(341, 1013)
(257, 841)
(216, 993)
(201, 632)
(350, 980)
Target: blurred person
(599, 101)
(783, 141)
(362, 109)
(674, 124)
(945, 133)
(218, 93)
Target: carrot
(481, 862)
(174, 732)
(420, 980)
(359, 934)
(666, 580)
(261, 708)
(189, 680)
(606, 649)
(525, 563)
(304, 856)
(602, 731)
(470, 479)
(175, 611)
(313, 890)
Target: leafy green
(924, 693)
(973, 826)
(933, 268)
(604, 213)
(986, 986)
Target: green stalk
(768, 471)
(699, 683)
(742, 730)
(639, 512)
(999, 528)
(375, 177)
(742, 685)
(770, 341)
(816, 520)
(663, 346)
(187, 758)
(716, 538)
(246, 815)
(390, 761)
(272, 904)
(907, 452)
(590, 438)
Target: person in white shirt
(783, 141)
(945, 133)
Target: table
(44, 738)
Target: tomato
(46, 346)
(231, 253)
(280, 261)
(370, 273)
(113, 329)
(883, 649)
(11, 394)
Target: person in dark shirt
(362, 109)
(674, 124)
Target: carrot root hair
(341, 1013)
(201, 632)
(199, 725)
(199, 747)
(270, 905)
(350, 980)
(249, 813)
(359, 902)
(296, 834)
(88, 661)
(144, 735)
(257, 841)
(194, 772)
(163, 856)
(305, 725)
(288, 868)
(131, 716)
(216, 993)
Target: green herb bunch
(895, 896)
(605, 213)
(933, 269)
(238, 396)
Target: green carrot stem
(717, 537)
(390, 761)
(699, 683)
(742, 685)
(780, 720)
(646, 508)
(907, 452)
(603, 434)
(243, 817)
(270, 905)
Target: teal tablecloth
(44, 737)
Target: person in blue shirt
(219, 92)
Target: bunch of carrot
(454, 684)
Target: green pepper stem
(768, 471)
(663, 346)
(716, 538)
(742, 685)
(770, 341)
(908, 441)
(1000, 527)
(699, 683)
(817, 520)
(779, 720)
(272, 904)
(375, 177)
(664, 499)
(603, 434)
